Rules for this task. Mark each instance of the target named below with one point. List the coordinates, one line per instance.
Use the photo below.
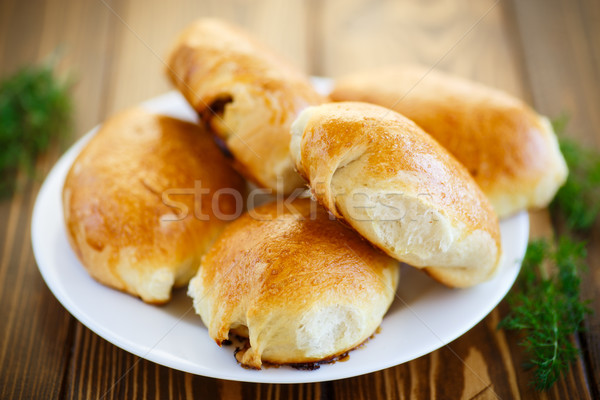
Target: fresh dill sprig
(547, 307)
(35, 108)
(578, 201)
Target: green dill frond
(547, 308)
(35, 108)
(578, 201)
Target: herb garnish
(578, 201)
(35, 107)
(547, 305)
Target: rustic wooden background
(544, 51)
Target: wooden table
(544, 51)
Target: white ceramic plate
(424, 317)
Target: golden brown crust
(117, 222)
(291, 280)
(509, 149)
(246, 94)
(357, 150)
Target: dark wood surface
(545, 51)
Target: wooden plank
(7, 9)
(464, 37)
(561, 47)
(138, 71)
(33, 349)
(37, 331)
(85, 57)
(100, 370)
(276, 392)
(21, 33)
(561, 53)
(35, 328)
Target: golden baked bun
(300, 285)
(399, 189)
(510, 150)
(135, 206)
(246, 95)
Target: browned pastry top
(279, 274)
(246, 94)
(130, 202)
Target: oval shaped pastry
(511, 151)
(399, 189)
(145, 199)
(300, 285)
(246, 94)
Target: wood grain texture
(137, 72)
(465, 37)
(547, 52)
(44, 336)
(36, 334)
(99, 370)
